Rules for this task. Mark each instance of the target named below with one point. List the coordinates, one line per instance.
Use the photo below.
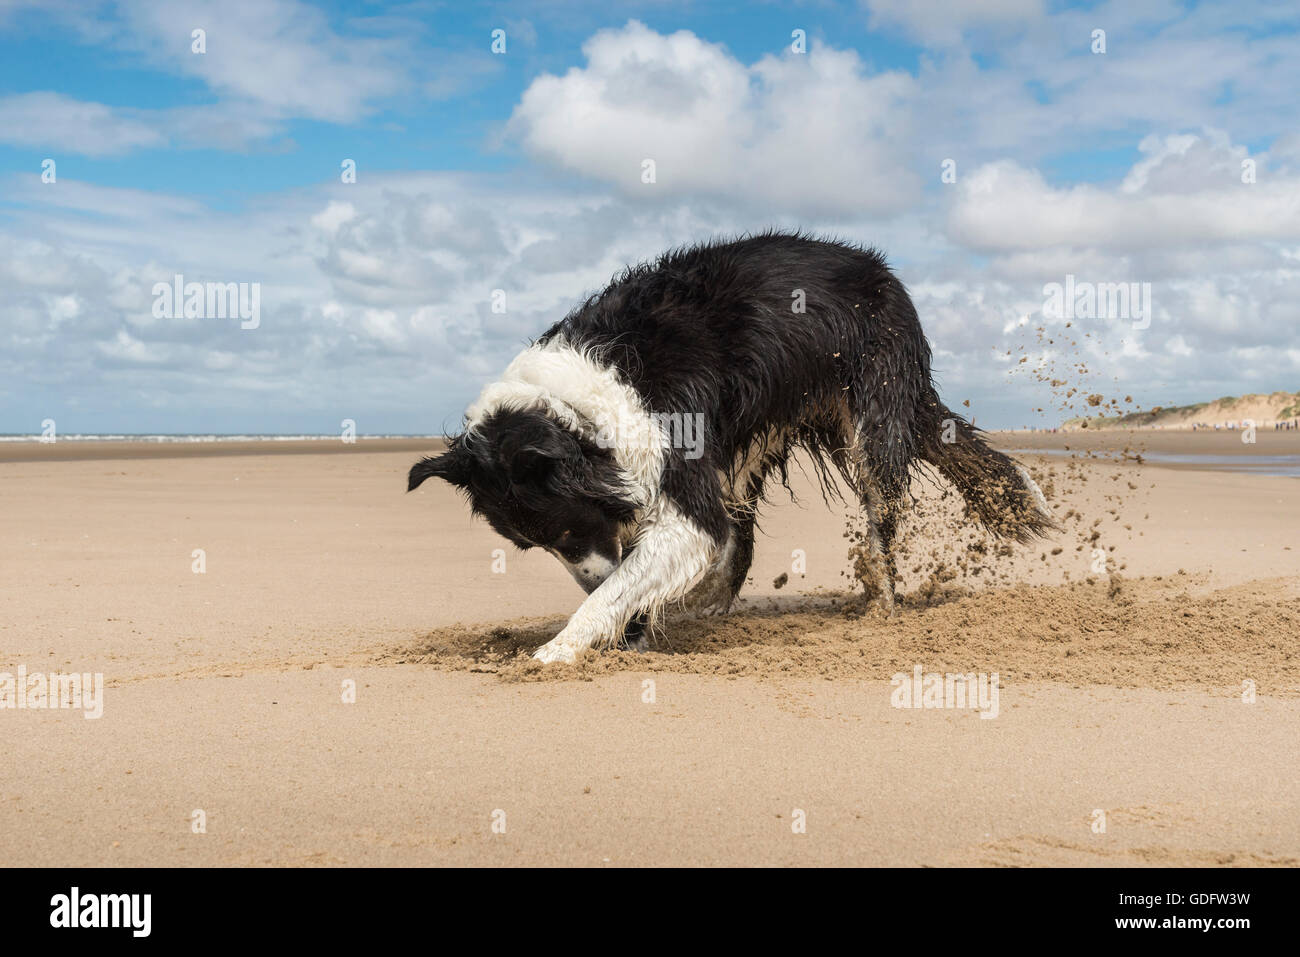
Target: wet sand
(1220, 442)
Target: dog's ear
(530, 450)
(533, 463)
(452, 466)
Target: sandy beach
(321, 669)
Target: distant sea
(1284, 465)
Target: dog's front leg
(670, 555)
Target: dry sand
(1120, 690)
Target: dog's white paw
(556, 651)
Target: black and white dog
(633, 440)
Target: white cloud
(329, 219)
(282, 55)
(53, 121)
(813, 132)
(944, 22)
(61, 124)
(385, 285)
(1177, 196)
(266, 62)
(1184, 163)
(391, 287)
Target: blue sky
(520, 172)
(453, 130)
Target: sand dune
(1263, 410)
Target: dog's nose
(589, 571)
(590, 578)
(589, 581)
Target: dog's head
(540, 486)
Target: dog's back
(767, 334)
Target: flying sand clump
(939, 552)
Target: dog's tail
(998, 491)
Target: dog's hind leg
(873, 553)
(743, 556)
(718, 588)
(716, 591)
(726, 576)
(635, 634)
(873, 564)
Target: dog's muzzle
(590, 571)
